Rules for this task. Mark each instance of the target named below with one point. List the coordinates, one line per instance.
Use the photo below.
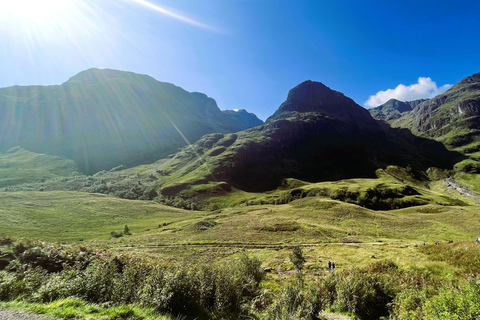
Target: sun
(34, 10)
(36, 18)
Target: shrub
(250, 273)
(115, 234)
(366, 295)
(296, 257)
(462, 304)
(295, 302)
(408, 304)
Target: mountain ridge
(105, 118)
(393, 109)
(307, 138)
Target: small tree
(296, 257)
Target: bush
(462, 304)
(296, 258)
(408, 304)
(295, 302)
(250, 273)
(366, 295)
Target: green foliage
(115, 234)
(365, 294)
(468, 166)
(250, 274)
(409, 304)
(175, 289)
(459, 304)
(126, 230)
(295, 302)
(297, 258)
(465, 256)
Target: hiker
(329, 265)
(333, 266)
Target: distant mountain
(317, 134)
(393, 109)
(105, 118)
(241, 119)
(452, 117)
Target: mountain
(105, 118)
(317, 134)
(241, 119)
(452, 117)
(393, 109)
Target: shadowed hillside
(317, 134)
(105, 118)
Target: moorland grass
(63, 216)
(19, 166)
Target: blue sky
(247, 54)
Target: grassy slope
(18, 166)
(70, 216)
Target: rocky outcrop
(453, 111)
(393, 109)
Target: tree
(126, 229)
(296, 257)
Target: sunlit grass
(75, 308)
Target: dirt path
(334, 316)
(8, 314)
(258, 246)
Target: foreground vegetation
(79, 281)
(124, 259)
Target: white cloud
(425, 88)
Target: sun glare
(33, 9)
(39, 19)
(34, 12)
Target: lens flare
(174, 15)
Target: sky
(247, 54)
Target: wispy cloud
(174, 15)
(425, 88)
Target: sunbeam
(177, 16)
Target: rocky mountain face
(393, 109)
(452, 117)
(458, 108)
(317, 134)
(106, 118)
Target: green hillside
(19, 166)
(105, 118)
(72, 216)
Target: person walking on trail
(329, 265)
(333, 266)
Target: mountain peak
(313, 96)
(474, 78)
(94, 75)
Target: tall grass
(70, 278)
